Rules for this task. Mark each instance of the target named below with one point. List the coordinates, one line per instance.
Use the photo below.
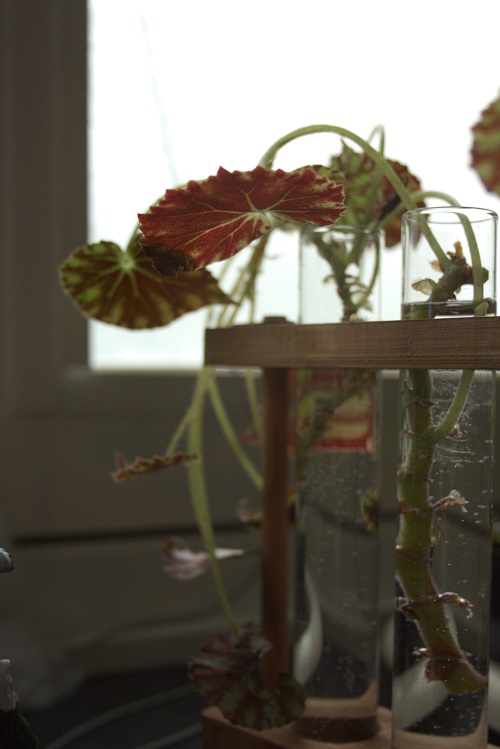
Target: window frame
(53, 408)
(44, 195)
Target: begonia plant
(162, 274)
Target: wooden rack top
(447, 343)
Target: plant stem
(385, 168)
(230, 435)
(477, 270)
(422, 603)
(417, 197)
(442, 429)
(363, 299)
(204, 376)
(253, 402)
(192, 424)
(197, 485)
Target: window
(87, 552)
(180, 88)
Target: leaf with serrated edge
(140, 466)
(212, 220)
(357, 172)
(125, 289)
(486, 147)
(226, 673)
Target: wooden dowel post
(274, 509)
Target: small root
(409, 607)
(453, 498)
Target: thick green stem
(422, 602)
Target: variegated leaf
(486, 147)
(227, 674)
(123, 287)
(355, 171)
(212, 220)
(369, 197)
(125, 470)
(390, 200)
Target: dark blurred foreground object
(15, 731)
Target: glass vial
(443, 548)
(335, 654)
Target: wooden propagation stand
(276, 346)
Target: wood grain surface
(450, 343)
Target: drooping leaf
(125, 470)
(212, 220)
(227, 674)
(123, 287)
(368, 197)
(486, 147)
(181, 563)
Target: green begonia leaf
(227, 674)
(124, 288)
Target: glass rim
(345, 229)
(473, 213)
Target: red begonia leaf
(125, 470)
(226, 673)
(486, 147)
(370, 197)
(124, 288)
(390, 199)
(212, 220)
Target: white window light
(178, 89)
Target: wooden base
(218, 733)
